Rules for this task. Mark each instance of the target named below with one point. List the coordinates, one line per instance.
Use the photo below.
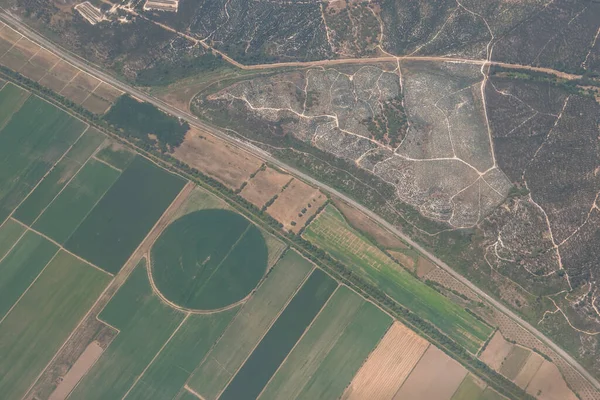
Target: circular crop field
(208, 259)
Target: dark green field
(60, 175)
(186, 350)
(209, 259)
(10, 232)
(277, 343)
(30, 144)
(145, 324)
(70, 208)
(125, 215)
(21, 266)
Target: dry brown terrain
(424, 266)
(496, 351)
(87, 359)
(548, 384)
(388, 366)
(363, 223)
(222, 161)
(403, 259)
(436, 376)
(264, 186)
(528, 371)
(296, 204)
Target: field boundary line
(302, 336)
(34, 54)
(29, 93)
(94, 89)
(14, 244)
(14, 44)
(28, 287)
(70, 80)
(106, 323)
(53, 65)
(61, 247)
(192, 391)
(5, 83)
(289, 300)
(429, 344)
(104, 162)
(185, 309)
(156, 355)
(67, 341)
(81, 165)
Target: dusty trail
(265, 156)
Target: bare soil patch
(10, 35)
(404, 259)
(86, 81)
(27, 47)
(88, 358)
(264, 186)
(45, 59)
(296, 204)
(96, 104)
(533, 364)
(548, 384)
(33, 71)
(108, 92)
(388, 366)
(424, 266)
(496, 351)
(363, 223)
(434, 367)
(75, 93)
(64, 71)
(14, 59)
(212, 156)
(52, 82)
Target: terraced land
(277, 343)
(138, 314)
(70, 208)
(60, 175)
(250, 325)
(43, 319)
(31, 142)
(125, 215)
(331, 232)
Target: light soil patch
(108, 92)
(89, 357)
(14, 59)
(212, 156)
(64, 71)
(45, 59)
(549, 384)
(434, 366)
(366, 225)
(27, 47)
(406, 260)
(96, 104)
(388, 366)
(75, 93)
(533, 364)
(515, 360)
(86, 81)
(424, 266)
(264, 186)
(33, 71)
(496, 351)
(10, 35)
(296, 204)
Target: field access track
(43, 318)
(332, 233)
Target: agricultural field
(332, 233)
(261, 188)
(296, 203)
(43, 318)
(470, 389)
(10, 232)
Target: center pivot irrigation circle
(208, 259)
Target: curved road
(192, 120)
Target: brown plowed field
(388, 366)
(264, 186)
(288, 207)
(496, 351)
(533, 363)
(548, 384)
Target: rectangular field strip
(69, 209)
(12, 98)
(310, 351)
(167, 375)
(10, 232)
(21, 266)
(355, 344)
(250, 325)
(145, 324)
(333, 234)
(115, 155)
(125, 215)
(60, 175)
(43, 319)
(36, 136)
(278, 342)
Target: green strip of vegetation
(10, 232)
(12, 98)
(163, 74)
(283, 335)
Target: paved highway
(192, 120)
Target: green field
(468, 389)
(281, 338)
(171, 369)
(125, 215)
(331, 232)
(21, 266)
(209, 259)
(43, 319)
(69, 209)
(11, 99)
(145, 324)
(310, 351)
(514, 362)
(10, 232)
(117, 156)
(60, 175)
(249, 326)
(340, 365)
(33, 140)
(185, 395)
(491, 394)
